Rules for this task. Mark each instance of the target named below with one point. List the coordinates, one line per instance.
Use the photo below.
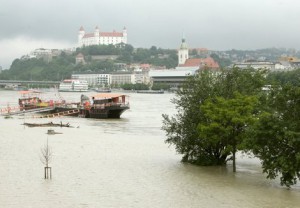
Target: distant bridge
(22, 82)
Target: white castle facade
(101, 38)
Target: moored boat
(31, 99)
(104, 105)
(73, 85)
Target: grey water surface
(121, 163)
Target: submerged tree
(227, 121)
(275, 139)
(219, 114)
(46, 157)
(181, 129)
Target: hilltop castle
(101, 38)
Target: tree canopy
(221, 113)
(181, 129)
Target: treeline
(140, 86)
(62, 66)
(289, 77)
(235, 110)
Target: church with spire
(183, 52)
(101, 38)
(184, 62)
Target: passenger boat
(104, 105)
(73, 85)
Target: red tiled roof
(192, 62)
(88, 35)
(111, 34)
(209, 62)
(104, 34)
(145, 65)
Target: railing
(102, 106)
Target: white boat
(73, 85)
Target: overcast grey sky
(213, 24)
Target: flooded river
(121, 163)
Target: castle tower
(183, 52)
(97, 35)
(81, 33)
(124, 35)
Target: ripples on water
(121, 163)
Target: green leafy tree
(223, 62)
(160, 86)
(226, 122)
(275, 139)
(181, 129)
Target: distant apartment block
(101, 38)
(119, 78)
(94, 79)
(256, 65)
(115, 78)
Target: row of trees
(221, 113)
(140, 86)
(63, 66)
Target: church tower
(81, 33)
(183, 52)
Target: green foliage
(137, 86)
(223, 63)
(219, 114)
(181, 129)
(100, 50)
(275, 139)
(160, 86)
(63, 66)
(289, 77)
(226, 121)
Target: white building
(115, 78)
(140, 78)
(256, 65)
(94, 79)
(101, 38)
(171, 77)
(39, 52)
(119, 78)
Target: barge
(102, 105)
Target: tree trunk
(233, 159)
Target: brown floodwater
(121, 163)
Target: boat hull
(109, 112)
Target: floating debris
(51, 131)
(47, 124)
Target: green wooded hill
(62, 66)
